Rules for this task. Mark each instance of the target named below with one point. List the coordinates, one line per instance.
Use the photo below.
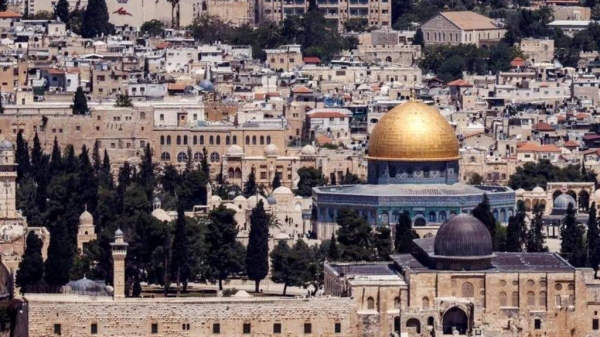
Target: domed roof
(562, 202)
(520, 192)
(413, 131)
(161, 215)
(119, 233)
(6, 145)
(282, 190)
(538, 190)
(271, 200)
(463, 236)
(85, 286)
(308, 150)
(215, 198)
(271, 150)
(235, 150)
(207, 85)
(239, 198)
(253, 201)
(86, 218)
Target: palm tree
(273, 222)
(174, 15)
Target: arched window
(467, 290)
(168, 140)
(185, 140)
(234, 139)
(211, 140)
(542, 299)
(557, 300)
(195, 140)
(227, 140)
(247, 140)
(268, 140)
(182, 157)
(415, 324)
(370, 303)
(432, 216)
(502, 299)
(230, 173)
(162, 140)
(262, 140)
(425, 302)
(165, 156)
(530, 299)
(571, 299)
(253, 140)
(515, 299)
(396, 302)
(443, 216)
(198, 156)
(218, 140)
(201, 140)
(178, 140)
(214, 157)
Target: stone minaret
(119, 252)
(8, 178)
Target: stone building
(454, 284)
(538, 50)
(86, 231)
(463, 27)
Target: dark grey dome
(271, 200)
(6, 145)
(207, 85)
(463, 236)
(562, 202)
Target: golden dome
(413, 131)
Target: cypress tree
(484, 213)
(257, 253)
(95, 19)
(61, 11)
(404, 234)
(70, 163)
(55, 159)
(250, 188)
(354, 236)
(383, 243)
(535, 237)
(146, 175)
(516, 234)
(204, 163)
(333, 254)
(31, 268)
(180, 268)
(22, 157)
(37, 155)
(88, 180)
(593, 239)
(571, 244)
(79, 105)
(96, 159)
(276, 181)
(60, 256)
(1, 103)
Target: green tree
(276, 181)
(257, 253)
(22, 156)
(309, 177)
(153, 28)
(204, 164)
(405, 234)
(593, 239)
(535, 236)
(419, 39)
(145, 175)
(180, 267)
(43, 15)
(280, 264)
(225, 254)
(483, 212)
(123, 100)
(383, 243)
(250, 188)
(79, 106)
(1, 103)
(56, 164)
(572, 239)
(60, 256)
(354, 236)
(333, 254)
(31, 267)
(95, 19)
(475, 179)
(3, 5)
(292, 267)
(61, 11)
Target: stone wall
(189, 317)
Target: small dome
(86, 286)
(538, 190)
(235, 150)
(119, 233)
(253, 201)
(161, 215)
(562, 202)
(86, 218)
(207, 85)
(271, 150)
(215, 198)
(463, 236)
(239, 198)
(271, 200)
(156, 200)
(282, 190)
(6, 145)
(308, 150)
(520, 192)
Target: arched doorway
(455, 319)
(414, 323)
(420, 222)
(584, 200)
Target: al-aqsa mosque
(413, 157)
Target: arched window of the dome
(247, 140)
(253, 140)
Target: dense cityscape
(301, 168)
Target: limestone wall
(135, 317)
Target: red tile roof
(55, 71)
(177, 86)
(532, 147)
(302, 90)
(459, 83)
(581, 116)
(541, 126)
(262, 95)
(517, 62)
(571, 143)
(10, 15)
(311, 59)
(162, 45)
(591, 137)
(322, 139)
(327, 115)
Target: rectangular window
(154, 328)
(57, 329)
(162, 117)
(307, 328)
(538, 324)
(94, 328)
(595, 324)
(246, 328)
(78, 128)
(216, 328)
(277, 328)
(338, 327)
